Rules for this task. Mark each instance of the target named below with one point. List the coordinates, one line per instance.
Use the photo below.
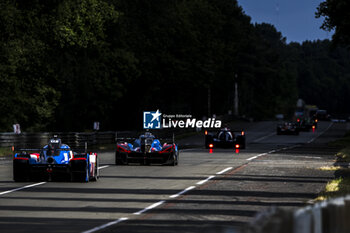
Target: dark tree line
(65, 64)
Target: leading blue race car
(146, 149)
(55, 161)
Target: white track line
(223, 171)
(182, 192)
(105, 225)
(24, 187)
(259, 155)
(313, 139)
(251, 158)
(149, 207)
(33, 185)
(206, 180)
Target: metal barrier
(332, 216)
(73, 139)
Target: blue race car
(146, 149)
(55, 161)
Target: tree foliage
(336, 17)
(65, 64)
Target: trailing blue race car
(146, 149)
(55, 161)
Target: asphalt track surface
(207, 192)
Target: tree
(337, 17)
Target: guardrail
(73, 139)
(332, 216)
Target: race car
(225, 138)
(306, 124)
(55, 161)
(288, 128)
(146, 149)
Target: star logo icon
(156, 115)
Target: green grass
(340, 186)
(335, 188)
(5, 151)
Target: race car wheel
(20, 171)
(80, 176)
(174, 160)
(18, 176)
(278, 132)
(120, 159)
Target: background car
(288, 128)
(225, 138)
(146, 149)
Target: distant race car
(146, 149)
(306, 124)
(225, 138)
(55, 161)
(288, 128)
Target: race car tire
(119, 159)
(173, 162)
(20, 171)
(278, 131)
(80, 176)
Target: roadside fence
(331, 216)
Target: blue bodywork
(54, 160)
(145, 150)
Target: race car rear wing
(129, 139)
(241, 132)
